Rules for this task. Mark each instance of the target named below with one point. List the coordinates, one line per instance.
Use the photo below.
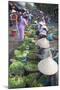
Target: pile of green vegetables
(23, 71)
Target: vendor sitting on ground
(43, 44)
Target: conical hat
(43, 43)
(48, 66)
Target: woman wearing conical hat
(43, 43)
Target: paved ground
(13, 43)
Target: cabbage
(17, 52)
(29, 79)
(32, 56)
(26, 51)
(21, 54)
(17, 68)
(16, 82)
(35, 83)
(32, 80)
(22, 47)
(31, 67)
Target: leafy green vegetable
(17, 68)
(35, 83)
(32, 80)
(16, 82)
(21, 54)
(31, 67)
(23, 46)
(29, 79)
(32, 55)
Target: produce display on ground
(23, 70)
